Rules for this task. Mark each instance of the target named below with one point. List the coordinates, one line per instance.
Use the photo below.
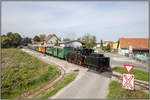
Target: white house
(50, 40)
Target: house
(74, 43)
(50, 40)
(133, 46)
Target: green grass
(22, 72)
(117, 92)
(138, 74)
(66, 81)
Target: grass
(22, 72)
(65, 82)
(138, 74)
(117, 92)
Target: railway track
(44, 88)
(143, 85)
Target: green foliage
(5, 42)
(22, 72)
(106, 48)
(36, 38)
(42, 36)
(57, 43)
(88, 40)
(65, 82)
(11, 40)
(117, 92)
(138, 74)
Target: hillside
(22, 72)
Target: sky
(108, 21)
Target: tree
(42, 36)
(11, 40)
(11, 37)
(101, 45)
(17, 40)
(88, 40)
(5, 41)
(56, 43)
(36, 38)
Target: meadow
(22, 72)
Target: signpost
(128, 79)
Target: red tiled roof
(48, 37)
(136, 43)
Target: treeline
(10, 40)
(39, 38)
(13, 40)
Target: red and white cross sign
(128, 81)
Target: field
(22, 72)
(117, 92)
(139, 75)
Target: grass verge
(138, 74)
(117, 92)
(22, 72)
(65, 82)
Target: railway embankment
(58, 82)
(22, 73)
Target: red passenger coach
(43, 49)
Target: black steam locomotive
(87, 58)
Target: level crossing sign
(128, 79)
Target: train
(81, 56)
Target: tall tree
(88, 40)
(36, 38)
(17, 40)
(101, 45)
(5, 42)
(56, 43)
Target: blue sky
(105, 20)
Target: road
(119, 60)
(86, 85)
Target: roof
(49, 37)
(110, 43)
(136, 43)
